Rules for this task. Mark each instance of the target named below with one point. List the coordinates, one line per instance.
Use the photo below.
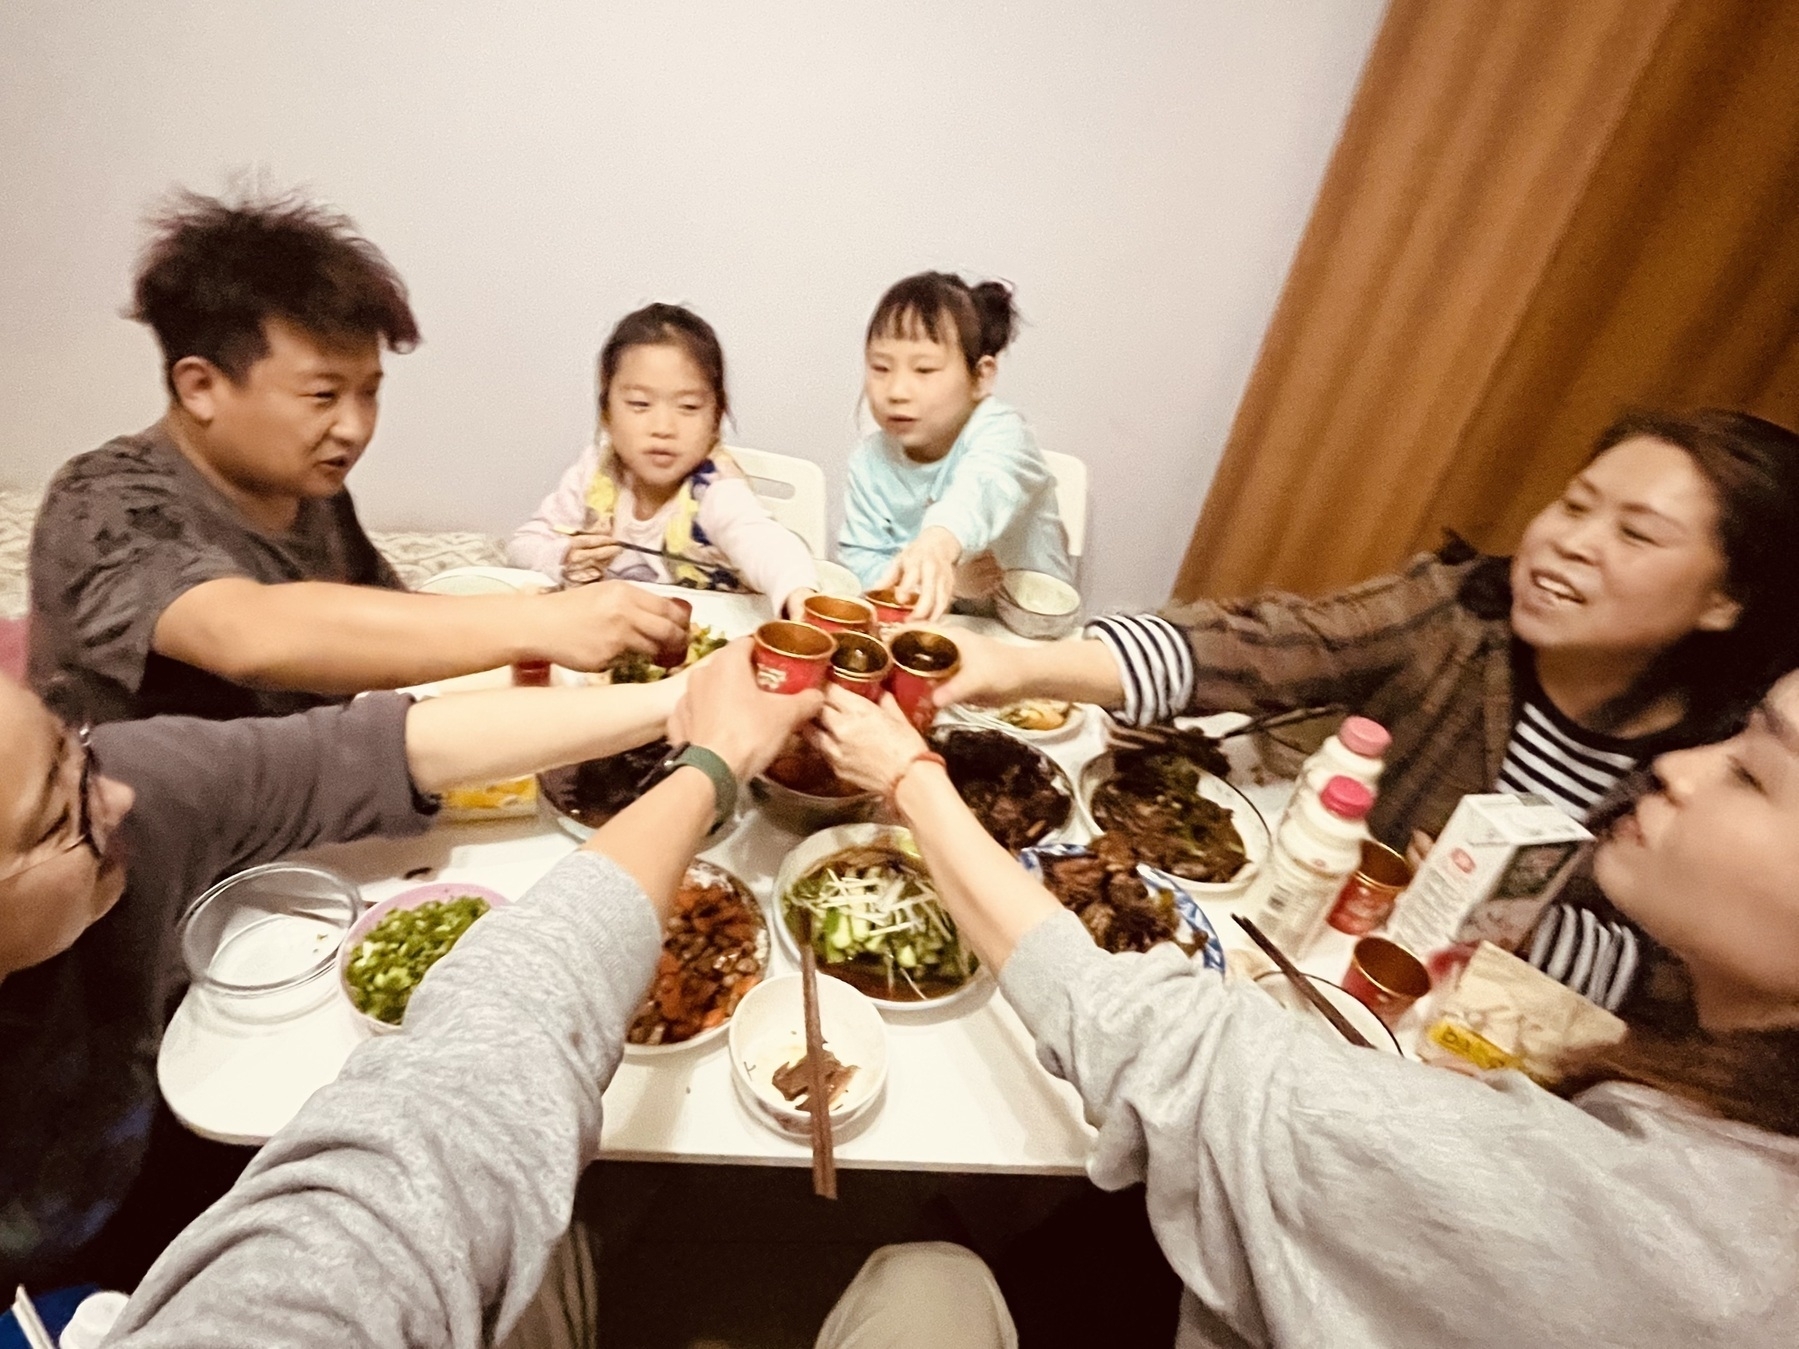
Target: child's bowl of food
(1037, 605)
(768, 1054)
(391, 947)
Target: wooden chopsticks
(1303, 984)
(818, 1096)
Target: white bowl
(809, 853)
(1258, 839)
(769, 1032)
(1354, 1011)
(836, 579)
(1035, 604)
(711, 871)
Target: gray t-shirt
(124, 531)
(79, 1033)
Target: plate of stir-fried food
(1190, 825)
(714, 951)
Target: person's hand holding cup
(726, 710)
(869, 745)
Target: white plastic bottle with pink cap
(1356, 750)
(1316, 849)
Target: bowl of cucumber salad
(875, 919)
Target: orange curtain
(1539, 212)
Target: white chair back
(1071, 497)
(792, 489)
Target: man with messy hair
(213, 564)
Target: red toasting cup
(860, 664)
(1368, 896)
(890, 611)
(673, 654)
(1385, 977)
(834, 613)
(921, 661)
(791, 657)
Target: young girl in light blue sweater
(952, 489)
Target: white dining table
(965, 1090)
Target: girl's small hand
(795, 608)
(926, 567)
(979, 577)
(869, 746)
(589, 554)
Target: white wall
(1141, 170)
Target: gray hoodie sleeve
(415, 1200)
(1311, 1193)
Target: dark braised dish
(1153, 799)
(1012, 788)
(1113, 902)
(594, 791)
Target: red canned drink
(1367, 898)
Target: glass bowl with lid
(265, 941)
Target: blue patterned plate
(1211, 952)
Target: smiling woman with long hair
(1645, 608)
(1308, 1192)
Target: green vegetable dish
(636, 668)
(876, 925)
(388, 963)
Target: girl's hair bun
(938, 305)
(998, 314)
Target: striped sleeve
(1155, 665)
(1595, 958)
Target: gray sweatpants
(926, 1295)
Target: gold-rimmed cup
(840, 613)
(791, 657)
(1368, 896)
(860, 664)
(1385, 977)
(922, 660)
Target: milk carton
(1488, 875)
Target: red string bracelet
(923, 756)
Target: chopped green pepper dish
(388, 963)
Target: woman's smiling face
(1627, 561)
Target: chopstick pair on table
(818, 1095)
(1303, 984)
(1176, 737)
